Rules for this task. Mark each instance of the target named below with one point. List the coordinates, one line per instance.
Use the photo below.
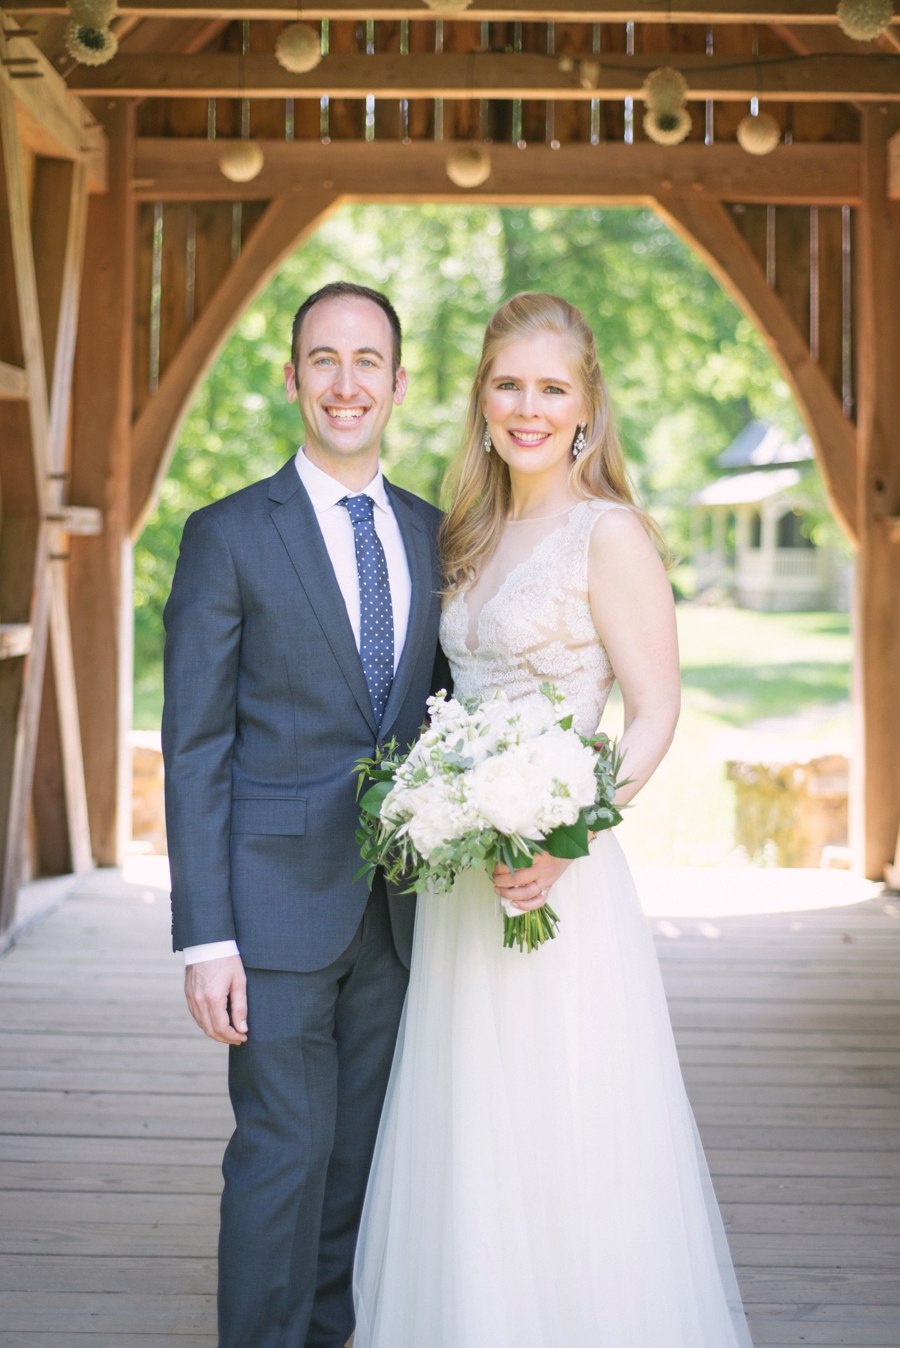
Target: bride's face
(534, 405)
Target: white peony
(507, 792)
(538, 714)
(441, 811)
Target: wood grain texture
(187, 169)
(101, 449)
(114, 1120)
(457, 75)
(50, 121)
(794, 12)
(875, 820)
(25, 460)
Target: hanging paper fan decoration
(665, 90)
(864, 20)
(667, 128)
(88, 36)
(299, 48)
(468, 165)
(241, 161)
(758, 135)
(667, 120)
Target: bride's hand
(528, 888)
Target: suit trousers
(307, 1090)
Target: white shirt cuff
(213, 950)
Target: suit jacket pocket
(266, 815)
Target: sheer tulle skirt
(538, 1181)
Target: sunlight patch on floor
(727, 891)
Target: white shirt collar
(325, 491)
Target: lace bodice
(527, 618)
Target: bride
(538, 1182)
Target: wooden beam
(708, 227)
(24, 466)
(877, 675)
(286, 223)
(872, 77)
(170, 169)
(59, 217)
(893, 151)
(101, 446)
(13, 383)
(572, 11)
(51, 121)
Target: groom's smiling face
(344, 380)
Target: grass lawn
(148, 700)
(784, 673)
(787, 674)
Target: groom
(301, 631)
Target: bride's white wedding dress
(538, 1182)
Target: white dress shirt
(334, 521)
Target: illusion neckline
(539, 547)
(536, 519)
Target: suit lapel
(418, 545)
(295, 520)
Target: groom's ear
(401, 384)
(290, 383)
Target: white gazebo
(751, 528)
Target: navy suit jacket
(266, 713)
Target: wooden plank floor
(113, 1117)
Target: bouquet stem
(531, 929)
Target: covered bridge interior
(127, 254)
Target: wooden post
(24, 462)
(877, 675)
(58, 220)
(101, 456)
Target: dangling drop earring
(486, 442)
(579, 440)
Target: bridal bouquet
(488, 781)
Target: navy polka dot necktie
(376, 613)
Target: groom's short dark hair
(336, 290)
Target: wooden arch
(700, 220)
(697, 211)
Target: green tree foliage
(685, 370)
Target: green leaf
(613, 818)
(374, 798)
(569, 841)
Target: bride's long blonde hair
(478, 484)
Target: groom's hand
(528, 888)
(214, 989)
